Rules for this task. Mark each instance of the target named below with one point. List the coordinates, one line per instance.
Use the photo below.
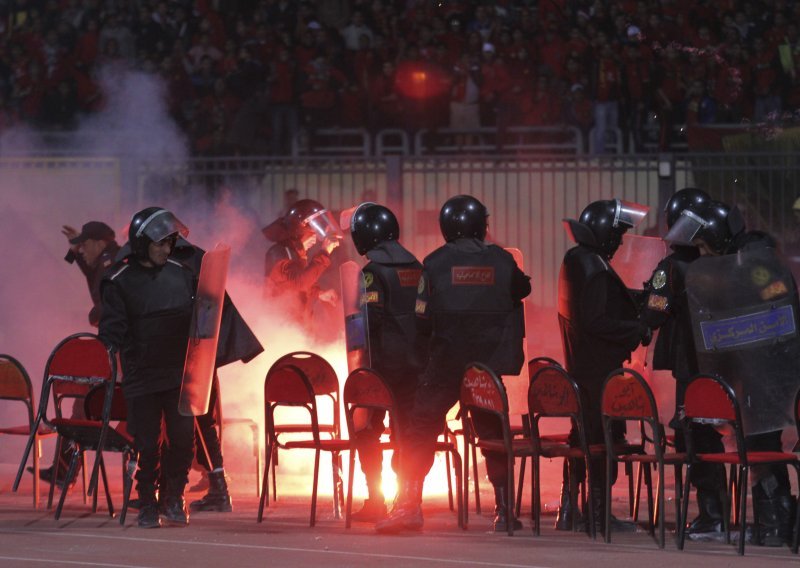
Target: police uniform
(146, 317)
(599, 326)
(391, 278)
(666, 308)
(469, 309)
(290, 274)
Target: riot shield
(517, 385)
(637, 258)
(201, 354)
(356, 328)
(744, 312)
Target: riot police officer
(666, 308)
(720, 230)
(295, 264)
(390, 277)
(469, 308)
(598, 317)
(147, 301)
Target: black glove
(645, 333)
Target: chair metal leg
(314, 490)
(660, 501)
(629, 474)
(448, 468)
(536, 505)
(27, 452)
(678, 499)
(743, 471)
(465, 476)
(637, 491)
(607, 512)
(87, 487)
(648, 480)
(510, 495)
(55, 469)
(338, 492)
(475, 479)
(350, 472)
(684, 506)
(73, 463)
(37, 451)
(274, 477)
(105, 486)
(520, 485)
(460, 489)
(264, 500)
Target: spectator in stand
(637, 88)
(464, 97)
(765, 73)
(202, 49)
(282, 83)
(607, 91)
(385, 104)
(579, 112)
(352, 32)
(114, 28)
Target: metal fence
(527, 197)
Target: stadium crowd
(243, 76)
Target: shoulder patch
(421, 284)
(371, 297)
(777, 288)
(760, 276)
(657, 303)
(659, 279)
(420, 306)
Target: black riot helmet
(602, 224)
(687, 198)
(152, 225)
(309, 216)
(463, 216)
(372, 224)
(720, 226)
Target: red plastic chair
(366, 389)
(15, 385)
(79, 362)
(628, 398)
(708, 397)
(482, 391)
(288, 385)
(326, 386)
(553, 394)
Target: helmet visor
(160, 225)
(323, 224)
(629, 214)
(685, 228)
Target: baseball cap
(95, 230)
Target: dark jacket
(666, 307)
(469, 305)
(94, 275)
(391, 278)
(146, 316)
(598, 318)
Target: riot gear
(687, 198)
(463, 216)
(372, 224)
(602, 224)
(309, 216)
(721, 224)
(151, 225)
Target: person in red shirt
(764, 64)
(384, 102)
(283, 111)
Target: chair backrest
(15, 384)
(287, 385)
(708, 397)
(75, 365)
(319, 372)
(482, 390)
(14, 381)
(366, 389)
(627, 396)
(552, 392)
(540, 363)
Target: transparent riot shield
(201, 354)
(517, 385)
(637, 258)
(744, 312)
(355, 316)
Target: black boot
(406, 514)
(709, 519)
(774, 505)
(173, 506)
(599, 502)
(566, 512)
(218, 498)
(148, 508)
(374, 510)
(501, 512)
